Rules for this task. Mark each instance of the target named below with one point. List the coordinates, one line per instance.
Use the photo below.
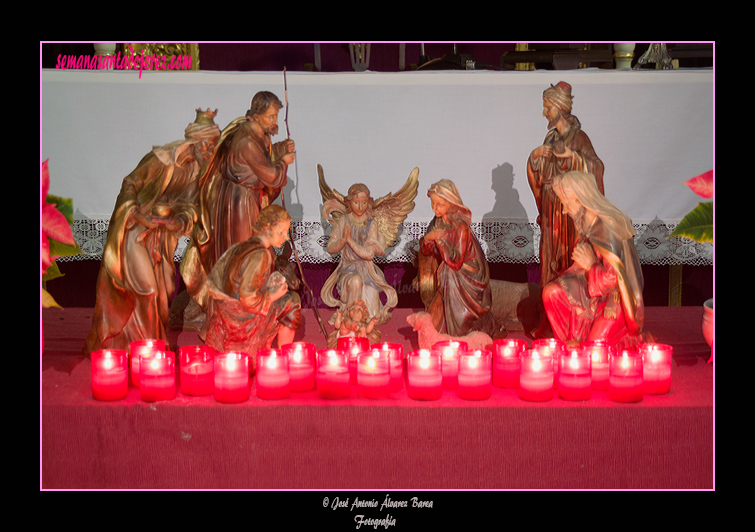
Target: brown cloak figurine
(246, 174)
(461, 298)
(250, 304)
(566, 147)
(156, 206)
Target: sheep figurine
(422, 322)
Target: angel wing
(391, 210)
(333, 203)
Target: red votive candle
(333, 374)
(600, 352)
(475, 375)
(574, 375)
(536, 376)
(656, 368)
(301, 365)
(273, 379)
(353, 345)
(625, 377)
(197, 369)
(137, 348)
(396, 360)
(449, 352)
(424, 375)
(109, 374)
(550, 347)
(157, 376)
(374, 375)
(506, 363)
(231, 377)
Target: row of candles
(381, 369)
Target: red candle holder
(396, 360)
(475, 381)
(273, 379)
(574, 375)
(137, 348)
(231, 377)
(424, 375)
(600, 352)
(374, 375)
(109, 374)
(625, 377)
(506, 362)
(449, 352)
(157, 376)
(301, 365)
(197, 369)
(656, 368)
(549, 346)
(536, 376)
(333, 374)
(353, 345)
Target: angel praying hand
(363, 228)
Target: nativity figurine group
(219, 188)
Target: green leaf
(53, 272)
(698, 224)
(58, 249)
(64, 205)
(48, 301)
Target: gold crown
(206, 118)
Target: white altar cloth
(652, 129)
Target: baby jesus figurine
(357, 321)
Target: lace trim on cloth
(502, 241)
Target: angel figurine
(362, 229)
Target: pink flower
(702, 185)
(54, 224)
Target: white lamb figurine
(422, 323)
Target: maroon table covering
(304, 442)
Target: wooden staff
(290, 230)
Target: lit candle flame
(448, 352)
(371, 362)
(424, 362)
(473, 361)
(536, 365)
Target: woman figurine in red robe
(462, 299)
(600, 295)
